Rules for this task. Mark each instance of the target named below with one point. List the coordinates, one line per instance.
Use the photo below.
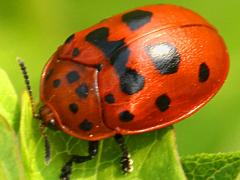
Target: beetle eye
(52, 121)
(52, 124)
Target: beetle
(135, 72)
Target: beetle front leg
(67, 168)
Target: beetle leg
(67, 168)
(126, 161)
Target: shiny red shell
(135, 72)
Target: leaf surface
(11, 166)
(9, 108)
(221, 166)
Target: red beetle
(135, 72)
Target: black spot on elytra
(69, 39)
(56, 83)
(72, 77)
(49, 74)
(119, 59)
(126, 116)
(110, 99)
(85, 125)
(99, 38)
(73, 107)
(130, 80)
(82, 91)
(203, 72)
(136, 19)
(163, 102)
(165, 57)
(75, 52)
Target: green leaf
(11, 166)
(221, 166)
(8, 101)
(29, 139)
(154, 154)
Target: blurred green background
(33, 30)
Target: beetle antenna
(35, 115)
(27, 83)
